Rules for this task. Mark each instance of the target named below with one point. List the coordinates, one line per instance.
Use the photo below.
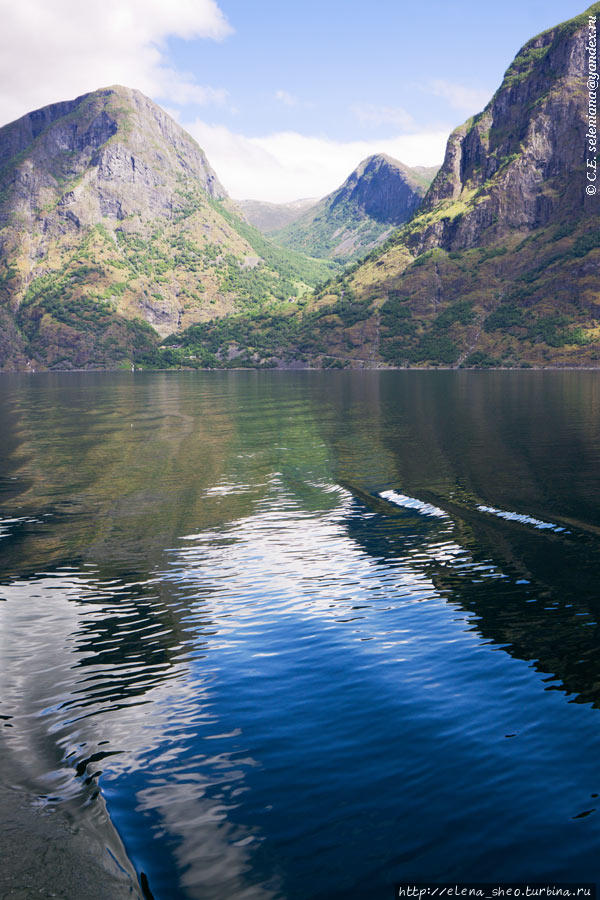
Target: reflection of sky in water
(61, 721)
(280, 618)
(243, 593)
(305, 617)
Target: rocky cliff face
(108, 156)
(519, 164)
(380, 194)
(111, 217)
(383, 189)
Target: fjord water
(281, 683)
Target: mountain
(501, 264)
(115, 231)
(380, 194)
(268, 217)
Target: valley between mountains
(119, 246)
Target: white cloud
(370, 114)
(286, 98)
(56, 49)
(287, 166)
(180, 88)
(465, 99)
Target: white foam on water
(426, 509)
(522, 518)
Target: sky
(286, 97)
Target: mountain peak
(382, 188)
(379, 194)
(115, 127)
(376, 160)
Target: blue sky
(333, 56)
(285, 97)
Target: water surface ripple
(308, 634)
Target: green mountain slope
(501, 264)
(115, 231)
(379, 195)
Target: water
(308, 634)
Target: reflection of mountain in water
(105, 467)
(502, 577)
(529, 445)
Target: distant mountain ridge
(380, 194)
(269, 217)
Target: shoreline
(295, 369)
(52, 851)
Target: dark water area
(307, 634)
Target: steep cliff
(519, 164)
(114, 230)
(380, 194)
(501, 263)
